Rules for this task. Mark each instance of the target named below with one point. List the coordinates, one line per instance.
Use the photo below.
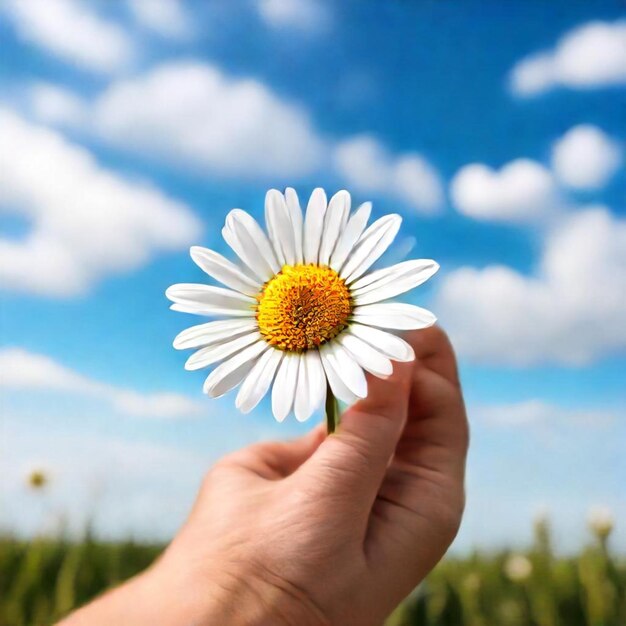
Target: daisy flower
(518, 567)
(303, 310)
(37, 479)
(600, 521)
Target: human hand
(321, 530)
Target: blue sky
(496, 131)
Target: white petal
(258, 381)
(343, 363)
(247, 222)
(208, 295)
(214, 353)
(213, 332)
(334, 220)
(270, 223)
(346, 216)
(396, 315)
(230, 373)
(212, 311)
(390, 345)
(250, 243)
(393, 281)
(279, 227)
(227, 273)
(301, 400)
(350, 235)
(247, 253)
(284, 388)
(372, 244)
(311, 386)
(366, 282)
(313, 225)
(366, 356)
(317, 380)
(293, 204)
(337, 386)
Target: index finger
(423, 491)
(437, 431)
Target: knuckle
(220, 469)
(439, 337)
(448, 518)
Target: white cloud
(303, 15)
(190, 112)
(20, 369)
(525, 190)
(23, 370)
(585, 157)
(592, 55)
(86, 222)
(157, 405)
(541, 413)
(165, 17)
(571, 312)
(533, 75)
(70, 30)
(368, 167)
(522, 190)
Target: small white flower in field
(518, 567)
(600, 521)
(303, 312)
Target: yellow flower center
(302, 307)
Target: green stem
(332, 411)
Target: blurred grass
(42, 580)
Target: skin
(320, 530)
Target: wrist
(171, 593)
(237, 594)
(149, 598)
(254, 601)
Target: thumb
(352, 462)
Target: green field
(41, 580)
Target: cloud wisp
(365, 164)
(72, 31)
(299, 15)
(540, 413)
(590, 56)
(22, 370)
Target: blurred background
(128, 129)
